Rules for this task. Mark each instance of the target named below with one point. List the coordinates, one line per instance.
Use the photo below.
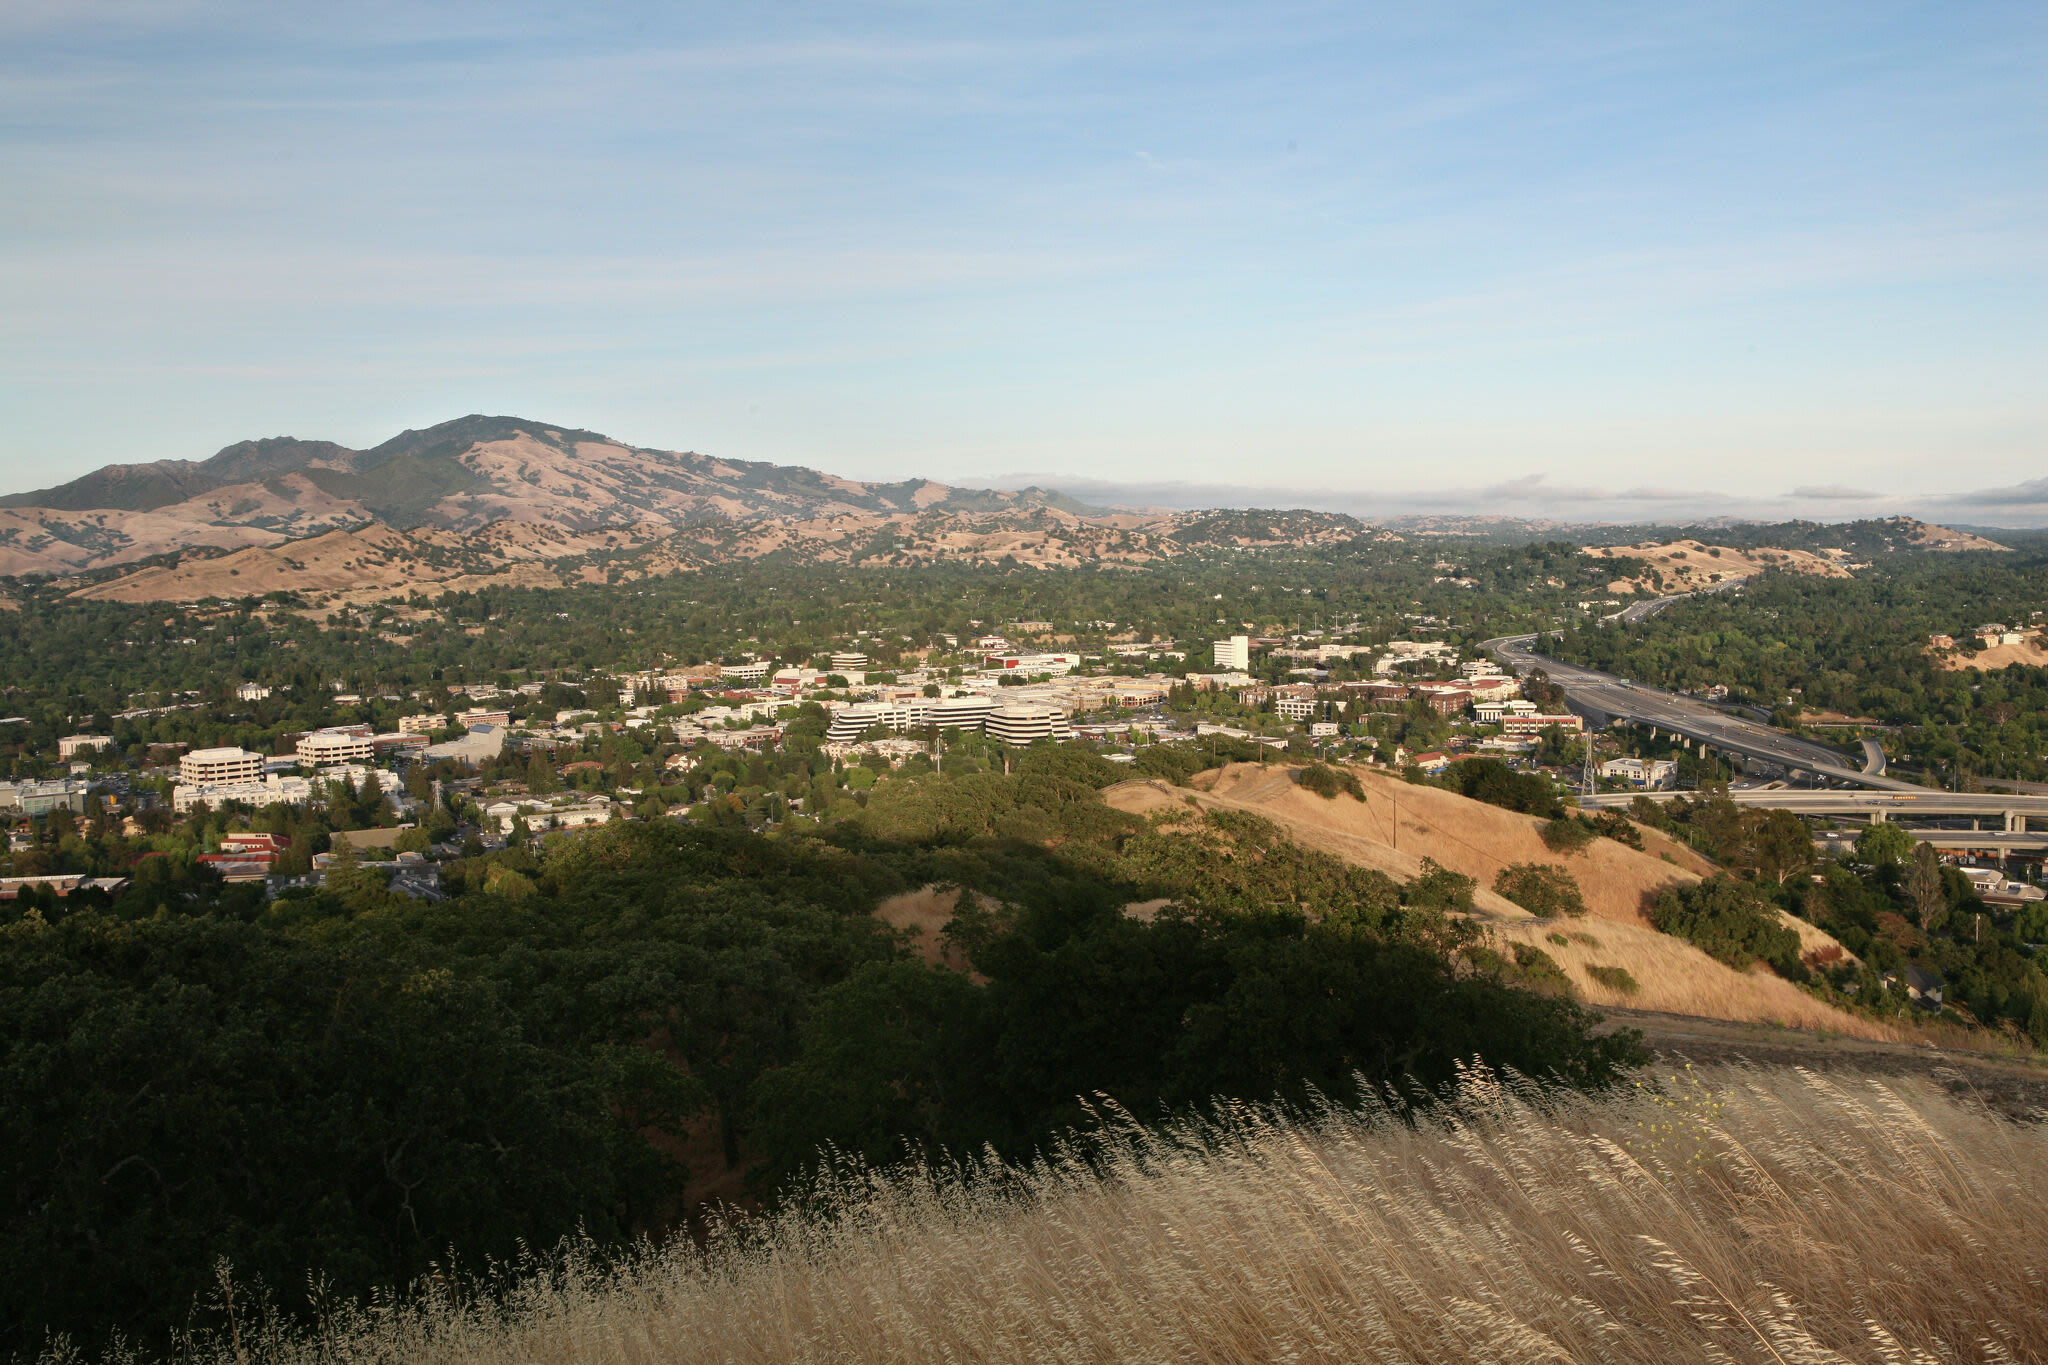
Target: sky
(1613, 261)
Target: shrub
(1439, 888)
(1328, 782)
(1566, 835)
(1526, 966)
(1494, 782)
(1543, 889)
(1612, 824)
(1731, 922)
(1615, 979)
(1538, 970)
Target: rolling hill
(1400, 824)
(471, 498)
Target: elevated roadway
(1602, 697)
(2008, 813)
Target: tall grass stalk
(1730, 1214)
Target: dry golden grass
(1673, 977)
(1400, 824)
(1479, 840)
(1728, 1215)
(923, 914)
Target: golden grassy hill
(1688, 565)
(2029, 653)
(1732, 1215)
(1479, 840)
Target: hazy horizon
(1584, 263)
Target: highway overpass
(1603, 698)
(2001, 811)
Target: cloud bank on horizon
(1706, 260)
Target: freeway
(1643, 611)
(1602, 696)
(1922, 803)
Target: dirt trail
(2014, 1086)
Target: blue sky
(1609, 260)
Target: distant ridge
(460, 475)
(492, 498)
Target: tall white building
(1234, 653)
(209, 767)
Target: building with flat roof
(1234, 655)
(1536, 725)
(72, 745)
(947, 713)
(269, 791)
(482, 742)
(1021, 724)
(201, 767)
(350, 744)
(40, 798)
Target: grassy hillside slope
(1733, 1215)
(1401, 824)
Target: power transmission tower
(1586, 780)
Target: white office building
(1647, 772)
(1021, 723)
(323, 748)
(947, 713)
(211, 766)
(1234, 654)
(72, 745)
(269, 791)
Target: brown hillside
(1687, 565)
(2029, 653)
(1478, 840)
(1462, 834)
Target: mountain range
(503, 500)
(496, 498)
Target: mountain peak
(459, 475)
